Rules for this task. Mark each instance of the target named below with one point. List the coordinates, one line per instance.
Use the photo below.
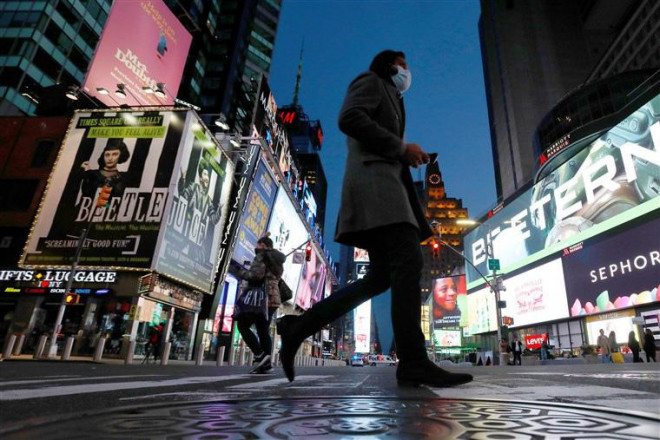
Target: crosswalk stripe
(70, 378)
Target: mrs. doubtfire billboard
(609, 182)
(142, 44)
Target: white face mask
(402, 79)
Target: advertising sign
(449, 301)
(255, 214)
(288, 232)
(537, 295)
(201, 185)
(312, 282)
(360, 255)
(142, 45)
(615, 272)
(534, 342)
(362, 327)
(133, 154)
(611, 181)
(482, 315)
(618, 322)
(447, 338)
(230, 289)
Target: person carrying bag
(258, 302)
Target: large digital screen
(609, 182)
(229, 292)
(621, 323)
(482, 316)
(362, 327)
(447, 338)
(288, 233)
(134, 154)
(143, 44)
(312, 281)
(255, 214)
(449, 301)
(189, 244)
(614, 272)
(537, 295)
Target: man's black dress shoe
(425, 372)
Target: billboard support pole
(69, 282)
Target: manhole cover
(351, 418)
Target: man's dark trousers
(395, 260)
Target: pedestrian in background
(634, 346)
(613, 345)
(380, 212)
(504, 352)
(267, 268)
(603, 343)
(544, 350)
(649, 345)
(517, 348)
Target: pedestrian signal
(71, 299)
(435, 249)
(308, 252)
(104, 197)
(507, 320)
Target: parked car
(356, 361)
(376, 360)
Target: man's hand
(415, 156)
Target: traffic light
(71, 299)
(308, 251)
(435, 250)
(104, 197)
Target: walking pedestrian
(544, 350)
(266, 269)
(517, 348)
(634, 346)
(380, 212)
(649, 345)
(603, 343)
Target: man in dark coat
(379, 212)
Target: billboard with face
(537, 295)
(288, 233)
(131, 153)
(188, 249)
(255, 214)
(142, 45)
(612, 180)
(614, 272)
(312, 281)
(449, 301)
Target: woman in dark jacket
(634, 346)
(649, 345)
(267, 267)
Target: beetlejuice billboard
(150, 161)
(609, 182)
(143, 44)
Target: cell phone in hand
(433, 158)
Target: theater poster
(133, 153)
(200, 188)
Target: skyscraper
(535, 52)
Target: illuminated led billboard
(255, 213)
(362, 327)
(611, 181)
(449, 301)
(134, 155)
(482, 316)
(312, 282)
(447, 338)
(537, 295)
(621, 323)
(608, 273)
(143, 44)
(288, 233)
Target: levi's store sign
(534, 341)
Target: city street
(84, 399)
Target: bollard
(10, 346)
(66, 353)
(221, 356)
(165, 355)
(40, 347)
(250, 358)
(130, 353)
(232, 356)
(98, 352)
(199, 356)
(18, 347)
